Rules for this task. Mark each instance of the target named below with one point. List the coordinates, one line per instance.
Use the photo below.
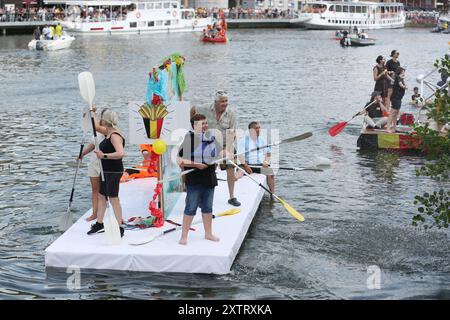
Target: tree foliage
(434, 208)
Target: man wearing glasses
(222, 120)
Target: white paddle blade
(112, 232)
(87, 86)
(86, 124)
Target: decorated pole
(154, 122)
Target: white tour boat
(336, 15)
(51, 45)
(137, 16)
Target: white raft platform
(76, 248)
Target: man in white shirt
(257, 161)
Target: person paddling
(251, 161)
(374, 113)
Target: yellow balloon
(159, 146)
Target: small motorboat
(357, 42)
(51, 45)
(217, 39)
(362, 42)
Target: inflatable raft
(374, 139)
(215, 40)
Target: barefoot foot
(212, 238)
(183, 242)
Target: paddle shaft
(169, 231)
(289, 168)
(96, 143)
(261, 185)
(359, 112)
(296, 138)
(76, 173)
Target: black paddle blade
(298, 138)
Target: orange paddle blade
(334, 130)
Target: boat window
(167, 23)
(166, 5)
(151, 23)
(338, 8)
(150, 5)
(352, 9)
(158, 5)
(174, 5)
(331, 8)
(344, 8)
(141, 6)
(133, 24)
(159, 23)
(364, 9)
(358, 9)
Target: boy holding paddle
(199, 150)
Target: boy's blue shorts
(198, 196)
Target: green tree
(434, 207)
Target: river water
(358, 213)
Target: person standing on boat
(111, 153)
(199, 150)
(222, 120)
(37, 33)
(52, 33)
(397, 96)
(258, 158)
(46, 32)
(374, 113)
(392, 65)
(381, 78)
(59, 31)
(94, 166)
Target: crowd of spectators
(422, 17)
(243, 13)
(57, 13)
(8, 14)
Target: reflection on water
(358, 212)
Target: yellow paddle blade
(291, 210)
(228, 212)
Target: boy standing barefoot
(199, 150)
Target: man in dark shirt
(199, 150)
